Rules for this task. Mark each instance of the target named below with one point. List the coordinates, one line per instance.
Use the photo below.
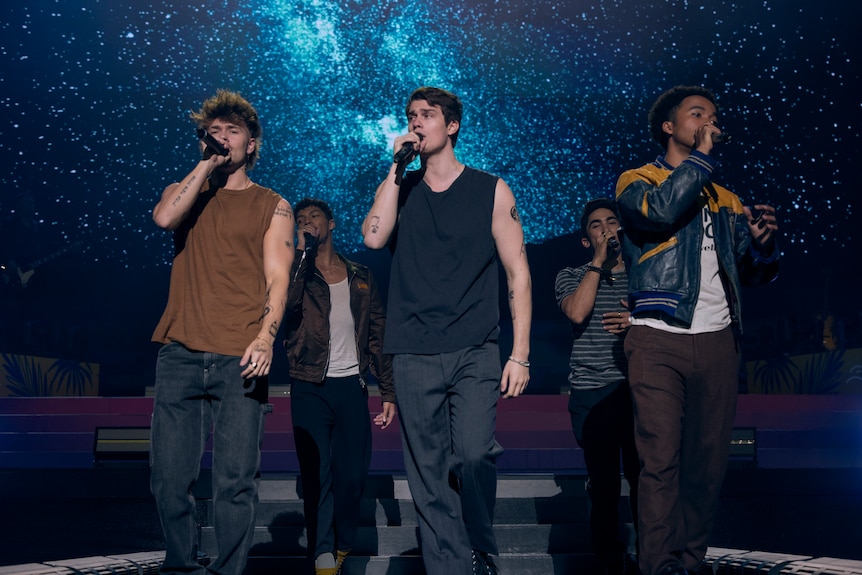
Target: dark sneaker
(483, 564)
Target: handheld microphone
(721, 138)
(757, 218)
(310, 241)
(613, 244)
(404, 153)
(212, 144)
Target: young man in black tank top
(447, 226)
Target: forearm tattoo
(375, 224)
(267, 309)
(183, 191)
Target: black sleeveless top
(444, 283)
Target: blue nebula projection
(96, 97)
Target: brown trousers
(684, 389)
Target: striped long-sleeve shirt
(597, 358)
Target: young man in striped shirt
(594, 298)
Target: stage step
(801, 521)
(540, 523)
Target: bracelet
(264, 341)
(521, 362)
(599, 271)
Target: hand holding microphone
(612, 250)
(307, 238)
(310, 241)
(719, 137)
(407, 151)
(213, 146)
(710, 135)
(405, 155)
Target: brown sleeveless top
(218, 289)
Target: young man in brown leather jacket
(334, 325)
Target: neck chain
(331, 268)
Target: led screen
(96, 97)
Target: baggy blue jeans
(196, 392)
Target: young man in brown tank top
(233, 246)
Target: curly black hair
(594, 205)
(666, 106)
(317, 203)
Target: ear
(252, 144)
(453, 127)
(332, 224)
(667, 127)
(585, 242)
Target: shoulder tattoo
(286, 212)
(514, 213)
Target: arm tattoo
(267, 308)
(514, 213)
(183, 191)
(286, 212)
(375, 224)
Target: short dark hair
(594, 205)
(231, 106)
(667, 105)
(448, 102)
(317, 203)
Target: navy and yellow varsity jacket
(660, 208)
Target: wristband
(524, 363)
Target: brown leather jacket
(306, 324)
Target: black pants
(603, 424)
(332, 431)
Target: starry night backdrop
(96, 97)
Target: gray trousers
(447, 405)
